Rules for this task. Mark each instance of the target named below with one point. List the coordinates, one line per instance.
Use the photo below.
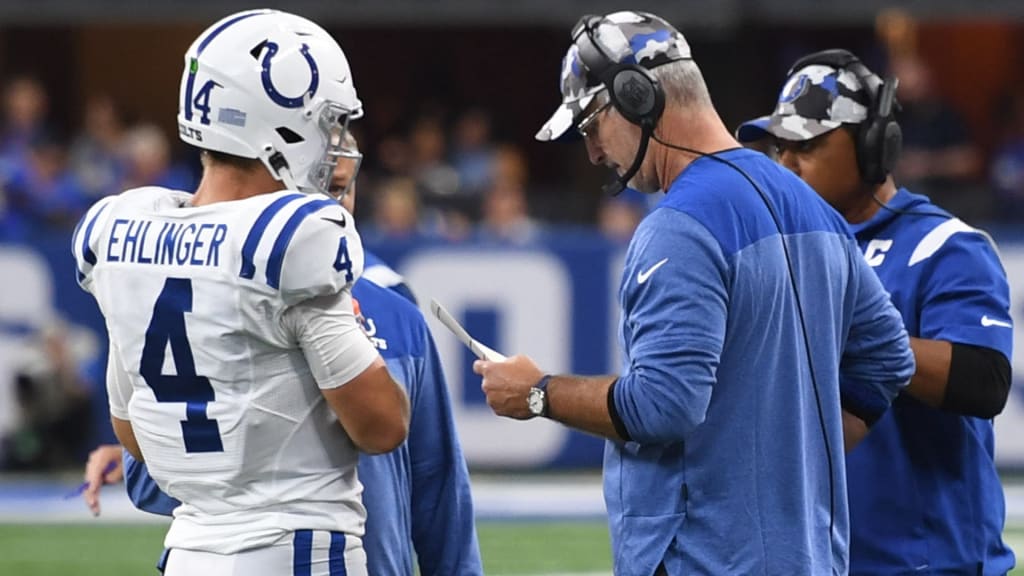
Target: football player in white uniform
(237, 369)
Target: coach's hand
(104, 467)
(507, 385)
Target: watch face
(535, 401)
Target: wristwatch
(537, 399)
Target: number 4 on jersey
(168, 325)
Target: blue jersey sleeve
(877, 361)
(965, 296)
(674, 300)
(143, 491)
(443, 528)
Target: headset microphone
(620, 183)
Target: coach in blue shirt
(744, 300)
(924, 494)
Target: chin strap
(278, 167)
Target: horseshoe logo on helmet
(268, 84)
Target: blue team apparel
(422, 487)
(727, 471)
(940, 508)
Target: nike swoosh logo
(986, 322)
(335, 220)
(643, 275)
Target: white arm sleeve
(119, 385)
(334, 344)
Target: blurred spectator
(25, 109)
(445, 211)
(505, 212)
(147, 154)
(896, 29)
(42, 193)
(427, 146)
(54, 425)
(393, 156)
(473, 152)
(510, 166)
(396, 210)
(938, 157)
(96, 153)
(1007, 169)
(149, 161)
(618, 216)
(505, 216)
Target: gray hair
(683, 84)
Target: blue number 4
(343, 261)
(168, 325)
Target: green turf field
(508, 548)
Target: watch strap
(542, 385)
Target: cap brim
(558, 128)
(753, 130)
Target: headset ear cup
(879, 143)
(868, 153)
(892, 146)
(636, 94)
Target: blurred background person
(149, 163)
(97, 152)
(939, 157)
(25, 108)
(43, 192)
(396, 210)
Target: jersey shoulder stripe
(276, 260)
(81, 243)
(252, 241)
(936, 238)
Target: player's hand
(104, 467)
(507, 385)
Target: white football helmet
(270, 85)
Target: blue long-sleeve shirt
(417, 496)
(733, 468)
(940, 508)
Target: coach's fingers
(479, 366)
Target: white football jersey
(216, 316)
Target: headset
(634, 92)
(879, 137)
(639, 97)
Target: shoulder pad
(302, 246)
(84, 239)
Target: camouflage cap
(815, 99)
(628, 38)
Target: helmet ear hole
(289, 135)
(257, 50)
